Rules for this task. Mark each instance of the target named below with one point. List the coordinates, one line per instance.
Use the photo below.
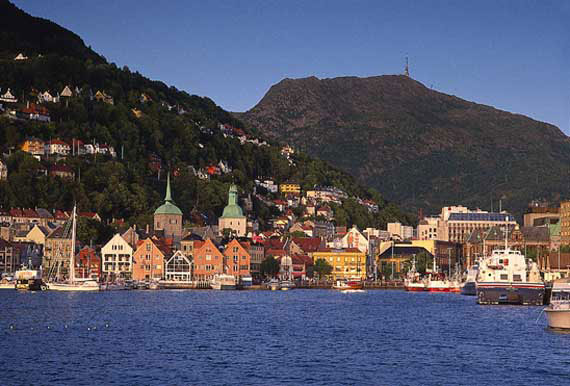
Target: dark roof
(536, 233)
(192, 237)
(403, 251)
(480, 217)
(308, 244)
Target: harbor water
(300, 337)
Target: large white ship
(506, 278)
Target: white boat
(412, 281)
(506, 278)
(114, 286)
(223, 282)
(154, 285)
(348, 284)
(274, 285)
(74, 284)
(29, 279)
(287, 285)
(558, 311)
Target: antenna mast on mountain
(407, 69)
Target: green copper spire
(168, 197)
(233, 210)
(168, 207)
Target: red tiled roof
(276, 252)
(302, 259)
(308, 244)
(57, 142)
(87, 214)
(341, 250)
(15, 212)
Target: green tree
(322, 268)
(270, 266)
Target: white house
(178, 268)
(117, 258)
(56, 146)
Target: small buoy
(49, 327)
(65, 326)
(94, 328)
(88, 328)
(106, 324)
(11, 327)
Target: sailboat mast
(506, 231)
(72, 257)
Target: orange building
(208, 260)
(148, 259)
(34, 146)
(237, 259)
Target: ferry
(506, 278)
(223, 282)
(558, 311)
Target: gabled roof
(308, 244)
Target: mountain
(153, 127)
(22, 33)
(418, 147)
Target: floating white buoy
(88, 328)
(11, 327)
(106, 324)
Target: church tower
(168, 217)
(232, 217)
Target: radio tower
(407, 69)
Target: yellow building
(565, 222)
(290, 188)
(346, 263)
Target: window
(148, 246)
(517, 278)
(504, 277)
(208, 257)
(235, 250)
(236, 258)
(235, 268)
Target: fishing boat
(154, 285)
(29, 279)
(558, 311)
(436, 281)
(348, 284)
(413, 281)
(74, 284)
(223, 282)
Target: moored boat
(469, 287)
(348, 284)
(558, 311)
(436, 281)
(28, 279)
(223, 282)
(74, 284)
(274, 285)
(7, 283)
(413, 281)
(505, 278)
(287, 285)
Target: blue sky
(513, 55)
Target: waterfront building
(354, 239)
(9, 261)
(57, 248)
(87, 263)
(237, 259)
(208, 260)
(456, 222)
(232, 218)
(149, 258)
(187, 244)
(257, 253)
(168, 217)
(117, 258)
(178, 268)
(302, 266)
(346, 263)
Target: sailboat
(74, 284)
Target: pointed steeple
(168, 196)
